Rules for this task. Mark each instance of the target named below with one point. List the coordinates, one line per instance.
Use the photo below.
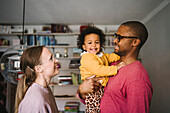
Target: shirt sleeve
(91, 63)
(112, 57)
(139, 96)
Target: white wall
(156, 58)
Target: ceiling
(73, 12)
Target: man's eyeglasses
(119, 37)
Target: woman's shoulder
(36, 90)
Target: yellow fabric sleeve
(112, 57)
(89, 62)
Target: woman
(33, 93)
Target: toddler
(95, 62)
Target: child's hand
(120, 65)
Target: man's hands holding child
(90, 85)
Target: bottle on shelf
(66, 52)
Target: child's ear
(38, 68)
(84, 47)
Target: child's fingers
(97, 79)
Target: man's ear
(84, 47)
(38, 68)
(136, 42)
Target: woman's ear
(38, 68)
(136, 42)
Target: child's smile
(92, 43)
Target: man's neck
(130, 58)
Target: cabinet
(66, 42)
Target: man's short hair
(138, 29)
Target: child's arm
(91, 63)
(112, 57)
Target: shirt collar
(99, 54)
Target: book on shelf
(71, 107)
(72, 79)
(76, 78)
(40, 40)
(45, 40)
(76, 52)
(65, 80)
(74, 64)
(31, 40)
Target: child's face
(92, 43)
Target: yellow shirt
(92, 64)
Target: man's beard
(119, 53)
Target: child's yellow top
(92, 64)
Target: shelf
(66, 69)
(66, 98)
(71, 85)
(56, 84)
(15, 71)
(15, 57)
(109, 46)
(48, 34)
(68, 58)
(41, 34)
(56, 46)
(4, 46)
(70, 46)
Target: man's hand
(88, 86)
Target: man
(130, 91)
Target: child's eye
(97, 42)
(89, 43)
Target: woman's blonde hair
(29, 59)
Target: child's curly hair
(90, 29)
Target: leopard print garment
(93, 101)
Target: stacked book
(76, 78)
(72, 79)
(39, 40)
(71, 107)
(65, 80)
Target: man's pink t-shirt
(130, 91)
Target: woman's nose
(56, 61)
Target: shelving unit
(64, 70)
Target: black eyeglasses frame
(119, 37)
